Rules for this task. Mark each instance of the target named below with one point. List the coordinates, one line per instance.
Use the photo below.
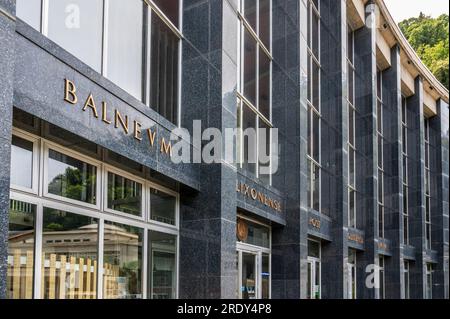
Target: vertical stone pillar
(289, 243)
(366, 144)
(416, 152)
(393, 180)
(440, 211)
(208, 218)
(7, 40)
(334, 137)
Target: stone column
(208, 218)
(440, 211)
(334, 137)
(416, 152)
(7, 40)
(366, 144)
(393, 179)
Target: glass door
(249, 274)
(313, 283)
(253, 280)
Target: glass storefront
(89, 231)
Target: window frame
(35, 162)
(42, 200)
(47, 145)
(243, 27)
(149, 7)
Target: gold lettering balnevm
(166, 148)
(91, 104)
(70, 90)
(137, 131)
(104, 113)
(119, 119)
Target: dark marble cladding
(39, 89)
(393, 184)
(8, 6)
(7, 51)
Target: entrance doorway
(253, 272)
(313, 278)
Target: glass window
(316, 188)
(124, 195)
(316, 136)
(265, 277)
(69, 255)
(313, 249)
(122, 268)
(21, 162)
(249, 140)
(257, 234)
(351, 168)
(264, 84)
(162, 207)
(264, 22)
(250, 12)
(406, 279)
(164, 70)
(171, 9)
(125, 45)
(71, 178)
(351, 125)
(315, 34)
(264, 151)
(249, 67)
(20, 262)
(162, 265)
(315, 75)
(77, 26)
(30, 12)
(352, 215)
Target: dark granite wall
(7, 52)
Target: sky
(404, 9)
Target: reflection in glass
(30, 12)
(71, 178)
(249, 139)
(250, 12)
(20, 263)
(248, 276)
(21, 162)
(125, 38)
(77, 25)
(264, 22)
(69, 255)
(164, 70)
(265, 275)
(258, 235)
(162, 207)
(124, 195)
(122, 269)
(249, 67)
(264, 151)
(264, 84)
(162, 266)
(170, 8)
(316, 188)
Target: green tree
(429, 37)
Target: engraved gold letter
(90, 103)
(137, 131)
(70, 92)
(151, 136)
(104, 115)
(118, 118)
(166, 148)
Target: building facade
(93, 204)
